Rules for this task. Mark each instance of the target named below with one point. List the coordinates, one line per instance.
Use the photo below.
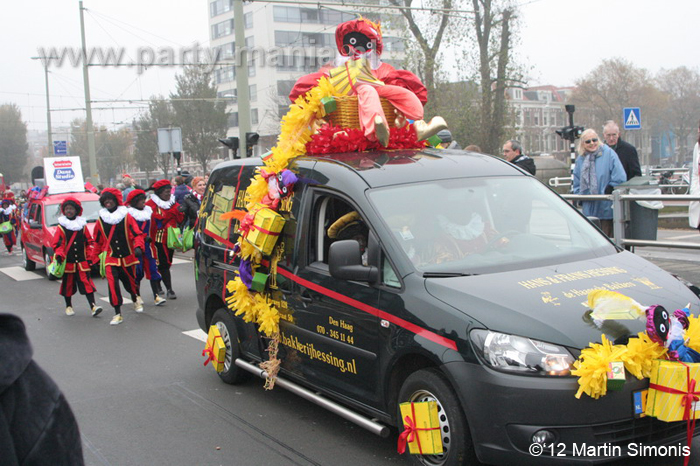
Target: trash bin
(643, 216)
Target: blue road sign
(60, 148)
(632, 118)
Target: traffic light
(570, 133)
(231, 143)
(251, 139)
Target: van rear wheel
(431, 385)
(232, 374)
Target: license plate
(639, 402)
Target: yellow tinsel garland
(592, 367)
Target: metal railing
(619, 210)
(679, 183)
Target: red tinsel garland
(335, 140)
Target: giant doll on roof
(360, 47)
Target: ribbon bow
(410, 432)
(688, 398)
(209, 352)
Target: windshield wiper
(447, 274)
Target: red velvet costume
(402, 88)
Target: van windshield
(481, 225)
(91, 211)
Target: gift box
(215, 349)
(329, 105)
(267, 225)
(669, 384)
(259, 281)
(421, 429)
(616, 375)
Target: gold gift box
(424, 415)
(672, 374)
(267, 225)
(217, 347)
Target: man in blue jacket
(598, 170)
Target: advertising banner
(64, 175)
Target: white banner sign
(64, 175)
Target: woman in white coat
(694, 206)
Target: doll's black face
(662, 322)
(356, 41)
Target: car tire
(47, 260)
(431, 385)
(232, 374)
(29, 265)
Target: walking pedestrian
(147, 266)
(694, 206)
(9, 224)
(624, 150)
(73, 244)
(598, 170)
(117, 234)
(165, 215)
(513, 153)
(192, 201)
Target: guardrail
(619, 220)
(677, 186)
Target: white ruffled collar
(77, 224)
(9, 210)
(113, 217)
(165, 205)
(141, 215)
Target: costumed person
(8, 223)
(73, 244)
(165, 214)
(694, 176)
(359, 41)
(146, 267)
(117, 234)
(191, 202)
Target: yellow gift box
(267, 225)
(215, 349)
(669, 383)
(421, 429)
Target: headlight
(521, 355)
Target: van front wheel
(431, 385)
(232, 374)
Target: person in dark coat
(37, 425)
(513, 153)
(624, 150)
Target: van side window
(333, 220)
(389, 277)
(32, 212)
(220, 198)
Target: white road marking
(20, 275)
(126, 300)
(197, 334)
(696, 236)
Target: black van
(438, 275)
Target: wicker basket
(347, 116)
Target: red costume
(401, 87)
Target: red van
(40, 222)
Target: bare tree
(682, 87)
(160, 115)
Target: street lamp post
(45, 60)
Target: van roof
(379, 168)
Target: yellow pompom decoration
(592, 367)
(241, 301)
(249, 252)
(640, 355)
(268, 319)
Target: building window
(253, 92)
(291, 14)
(218, 7)
(250, 42)
(248, 20)
(225, 74)
(226, 51)
(222, 29)
(313, 39)
(233, 120)
(251, 68)
(254, 116)
(298, 63)
(393, 44)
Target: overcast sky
(561, 40)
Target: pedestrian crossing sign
(632, 118)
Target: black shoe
(171, 295)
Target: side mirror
(34, 225)
(345, 262)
